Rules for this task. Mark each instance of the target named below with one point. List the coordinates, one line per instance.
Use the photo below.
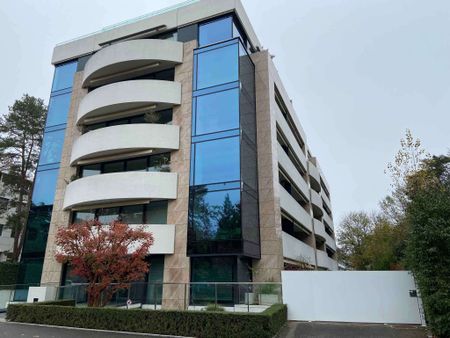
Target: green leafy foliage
(8, 273)
(21, 131)
(62, 302)
(428, 215)
(201, 324)
(411, 230)
(214, 307)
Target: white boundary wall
(351, 296)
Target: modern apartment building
(7, 208)
(178, 120)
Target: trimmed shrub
(199, 324)
(8, 273)
(214, 307)
(62, 302)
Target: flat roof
(182, 14)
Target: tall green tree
(406, 162)
(352, 236)
(384, 246)
(21, 132)
(428, 247)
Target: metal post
(128, 294)
(215, 292)
(76, 295)
(248, 300)
(154, 296)
(239, 297)
(185, 296)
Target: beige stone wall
(51, 271)
(269, 267)
(176, 266)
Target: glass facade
(152, 213)
(215, 221)
(156, 163)
(157, 117)
(63, 78)
(58, 108)
(223, 199)
(218, 65)
(36, 232)
(216, 112)
(52, 147)
(44, 187)
(215, 31)
(216, 161)
(146, 291)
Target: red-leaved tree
(109, 257)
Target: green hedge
(62, 302)
(8, 273)
(199, 324)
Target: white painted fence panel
(351, 296)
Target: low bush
(62, 302)
(8, 273)
(214, 307)
(201, 324)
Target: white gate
(352, 296)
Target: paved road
(13, 330)
(293, 330)
(350, 330)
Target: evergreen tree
(21, 132)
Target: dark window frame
(125, 164)
(287, 115)
(145, 212)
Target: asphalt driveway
(351, 330)
(13, 330)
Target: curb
(96, 330)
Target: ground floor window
(147, 291)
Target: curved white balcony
(290, 136)
(330, 241)
(140, 187)
(289, 167)
(131, 59)
(316, 199)
(326, 262)
(325, 199)
(328, 220)
(297, 250)
(127, 96)
(319, 229)
(288, 203)
(125, 138)
(163, 238)
(314, 173)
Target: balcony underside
(127, 97)
(130, 59)
(124, 139)
(121, 188)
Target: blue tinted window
(217, 161)
(216, 215)
(215, 31)
(44, 187)
(217, 66)
(217, 111)
(52, 147)
(58, 109)
(63, 77)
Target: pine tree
(21, 132)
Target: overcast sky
(359, 72)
